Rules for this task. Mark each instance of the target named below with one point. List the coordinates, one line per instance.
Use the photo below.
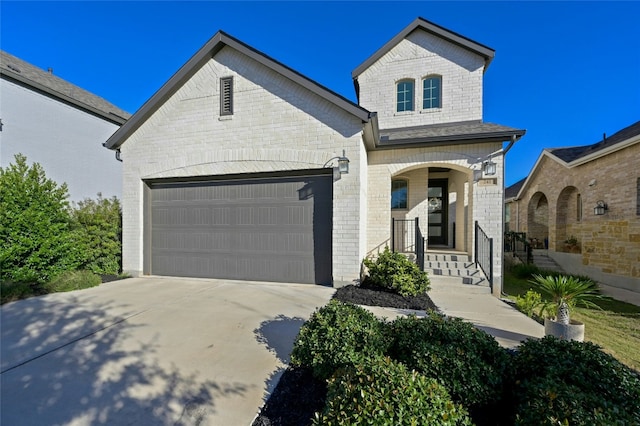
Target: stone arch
(568, 215)
(538, 219)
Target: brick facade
(608, 244)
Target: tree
(37, 240)
(99, 226)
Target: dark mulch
(298, 394)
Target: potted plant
(572, 245)
(565, 292)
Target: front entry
(437, 202)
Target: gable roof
(575, 156)
(23, 73)
(571, 154)
(442, 134)
(206, 52)
(512, 191)
(420, 23)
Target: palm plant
(566, 292)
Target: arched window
(399, 193)
(432, 92)
(404, 96)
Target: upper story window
(226, 96)
(404, 98)
(399, 193)
(432, 92)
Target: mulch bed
(298, 394)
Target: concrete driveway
(149, 351)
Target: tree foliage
(37, 240)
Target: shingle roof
(24, 73)
(466, 131)
(512, 191)
(574, 153)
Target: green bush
(569, 382)
(466, 360)
(99, 227)
(383, 392)
(336, 336)
(529, 303)
(72, 280)
(395, 272)
(37, 241)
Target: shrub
(37, 242)
(338, 335)
(72, 280)
(466, 360)
(99, 226)
(395, 272)
(529, 303)
(383, 392)
(569, 382)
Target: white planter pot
(572, 331)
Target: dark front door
(437, 201)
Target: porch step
(542, 260)
(454, 268)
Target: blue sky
(567, 72)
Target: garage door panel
(272, 230)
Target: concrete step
(448, 265)
(463, 276)
(446, 257)
(444, 283)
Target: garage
(259, 228)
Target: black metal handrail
(517, 243)
(484, 253)
(406, 237)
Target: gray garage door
(271, 229)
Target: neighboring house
(229, 167)
(60, 126)
(584, 202)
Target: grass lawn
(616, 328)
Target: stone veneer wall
(609, 244)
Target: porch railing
(516, 243)
(406, 237)
(484, 253)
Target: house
(237, 167)
(60, 126)
(584, 202)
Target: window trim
(406, 186)
(226, 96)
(439, 98)
(411, 98)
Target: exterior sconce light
(343, 164)
(600, 208)
(489, 168)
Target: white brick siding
(277, 125)
(419, 55)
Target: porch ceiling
(446, 134)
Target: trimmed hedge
(384, 392)
(567, 382)
(466, 360)
(393, 271)
(338, 335)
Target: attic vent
(12, 68)
(226, 96)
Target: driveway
(149, 351)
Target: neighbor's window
(432, 92)
(579, 208)
(404, 99)
(226, 96)
(399, 192)
(638, 202)
(507, 216)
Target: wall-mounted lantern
(489, 167)
(600, 208)
(343, 164)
